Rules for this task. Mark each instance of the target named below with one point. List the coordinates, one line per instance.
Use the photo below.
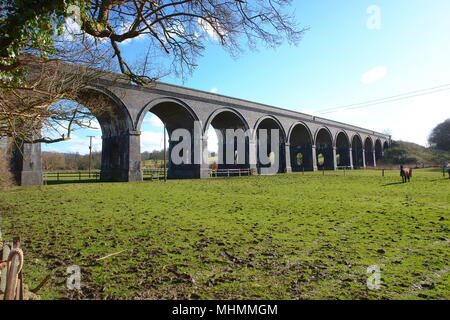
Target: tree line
(70, 161)
(75, 161)
(53, 50)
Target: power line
(398, 97)
(90, 153)
(387, 101)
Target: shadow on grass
(49, 183)
(441, 179)
(393, 183)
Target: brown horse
(405, 173)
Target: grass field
(288, 236)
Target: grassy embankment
(267, 237)
(412, 153)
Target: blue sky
(340, 61)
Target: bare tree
(45, 108)
(90, 33)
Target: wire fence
(94, 175)
(70, 175)
(158, 173)
(153, 174)
(222, 173)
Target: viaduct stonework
(303, 137)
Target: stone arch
(342, 143)
(233, 152)
(164, 101)
(324, 148)
(269, 123)
(300, 142)
(323, 129)
(368, 149)
(118, 162)
(217, 112)
(113, 116)
(275, 120)
(177, 116)
(357, 151)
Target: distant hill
(402, 152)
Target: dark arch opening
(115, 124)
(300, 142)
(68, 161)
(378, 150)
(357, 152)
(324, 147)
(88, 106)
(239, 159)
(112, 116)
(368, 148)
(385, 145)
(176, 116)
(343, 150)
(278, 154)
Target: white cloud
(73, 33)
(176, 30)
(374, 75)
(95, 124)
(71, 30)
(213, 142)
(153, 120)
(77, 144)
(209, 29)
(140, 37)
(214, 90)
(152, 141)
(124, 28)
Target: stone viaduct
(303, 137)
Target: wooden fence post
(14, 282)
(6, 249)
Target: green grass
(265, 237)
